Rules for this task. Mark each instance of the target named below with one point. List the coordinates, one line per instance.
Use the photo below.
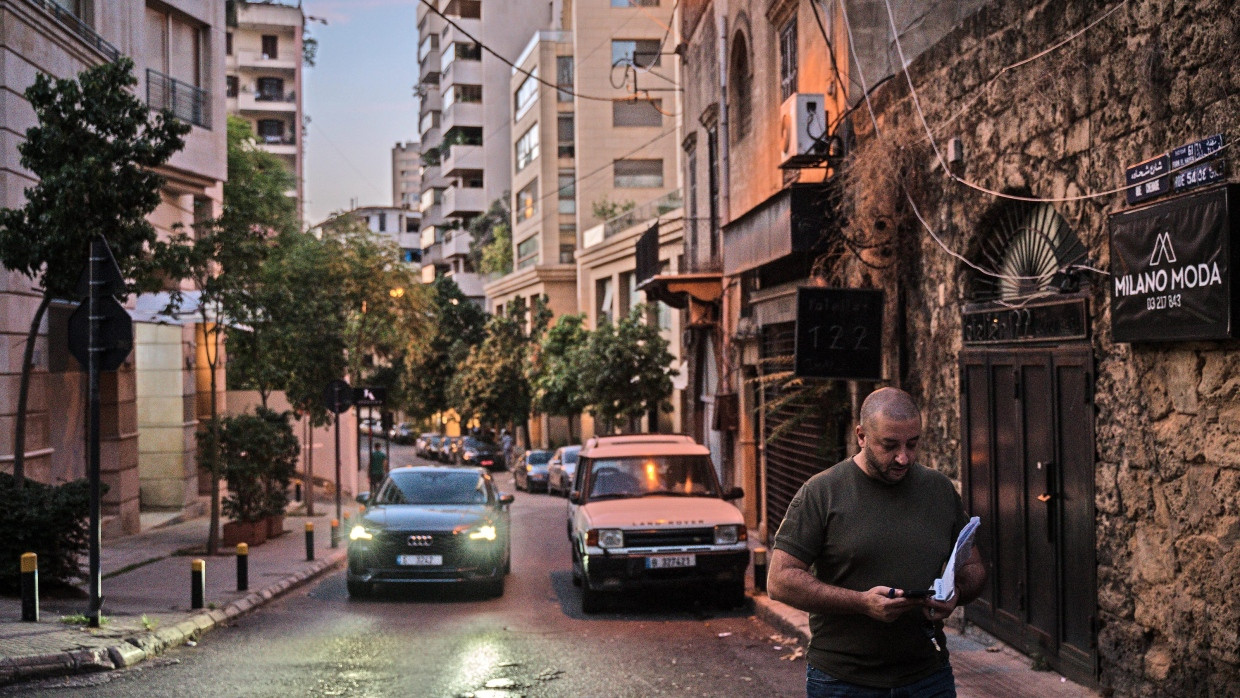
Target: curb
(138, 648)
(782, 617)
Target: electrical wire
(591, 173)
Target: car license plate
(419, 560)
(666, 561)
(488, 462)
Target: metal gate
(1028, 472)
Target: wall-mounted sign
(1198, 150)
(839, 333)
(1199, 175)
(1038, 321)
(1172, 172)
(1150, 178)
(1172, 269)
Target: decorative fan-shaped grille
(1027, 245)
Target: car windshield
(433, 487)
(652, 475)
(569, 456)
(471, 442)
(538, 457)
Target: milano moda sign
(1173, 269)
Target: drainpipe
(721, 28)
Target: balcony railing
(282, 139)
(186, 102)
(651, 209)
(275, 97)
(82, 29)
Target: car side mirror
(363, 498)
(575, 497)
(506, 499)
(734, 493)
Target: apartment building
(151, 403)
(264, 80)
(465, 121)
(407, 175)
(396, 224)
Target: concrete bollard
(30, 587)
(335, 533)
(309, 541)
(243, 567)
(198, 584)
(759, 568)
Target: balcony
(186, 102)
(256, 60)
(647, 211)
(456, 244)
(461, 72)
(451, 34)
(470, 284)
(285, 103)
(462, 157)
(459, 201)
(467, 114)
(82, 29)
(278, 145)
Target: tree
(459, 325)
(556, 376)
(491, 248)
(490, 383)
(94, 151)
(627, 371)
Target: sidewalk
(146, 596)
(984, 667)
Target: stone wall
(1141, 78)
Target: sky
(359, 101)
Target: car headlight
(730, 534)
(469, 455)
(605, 537)
(484, 532)
(359, 532)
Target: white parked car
(648, 511)
(561, 468)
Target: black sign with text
(839, 333)
(1172, 267)
(1039, 321)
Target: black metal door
(1029, 473)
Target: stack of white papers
(945, 586)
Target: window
(634, 3)
(465, 9)
(428, 44)
(629, 297)
(643, 53)
(712, 188)
(637, 112)
(271, 45)
(564, 132)
(636, 174)
(230, 86)
(462, 93)
(788, 59)
(429, 121)
(526, 95)
(603, 293)
(564, 78)
(740, 82)
(527, 147)
(270, 131)
(175, 46)
(465, 51)
(527, 252)
(691, 209)
(382, 222)
(270, 90)
(228, 43)
(568, 192)
(527, 202)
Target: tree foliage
(259, 452)
(491, 248)
(459, 325)
(627, 371)
(94, 151)
(555, 376)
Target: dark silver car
(561, 468)
(530, 471)
(431, 523)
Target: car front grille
(414, 543)
(655, 538)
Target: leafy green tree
(490, 383)
(459, 325)
(556, 376)
(627, 371)
(94, 150)
(491, 248)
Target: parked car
(560, 470)
(367, 426)
(447, 449)
(475, 451)
(401, 433)
(647, 511)
(423, 445)
(431, 523)
(530, 471)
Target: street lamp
(396, 292)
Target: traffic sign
(115, 339)
(338, 396)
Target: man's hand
(885, 604)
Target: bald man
(858, 542)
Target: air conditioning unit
(802, 130)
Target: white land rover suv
(647, 511)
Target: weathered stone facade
(1119, 83)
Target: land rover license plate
(419, 560)
(666, 561)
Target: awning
(675, 290)
(798, 219)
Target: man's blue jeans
(940, 684)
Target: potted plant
(259, 455)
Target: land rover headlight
(359, 532)
(730, 534)
(605, 538)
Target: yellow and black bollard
(309, 540)
(759, 568)
(335, 533)
(243, 567)
(198, 584)
(30, 587)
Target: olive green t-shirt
(857, 533)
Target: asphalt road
(533, 641)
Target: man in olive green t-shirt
(857, 541)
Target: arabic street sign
(1188, 154)
(1150, 178)
(1199, 175)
